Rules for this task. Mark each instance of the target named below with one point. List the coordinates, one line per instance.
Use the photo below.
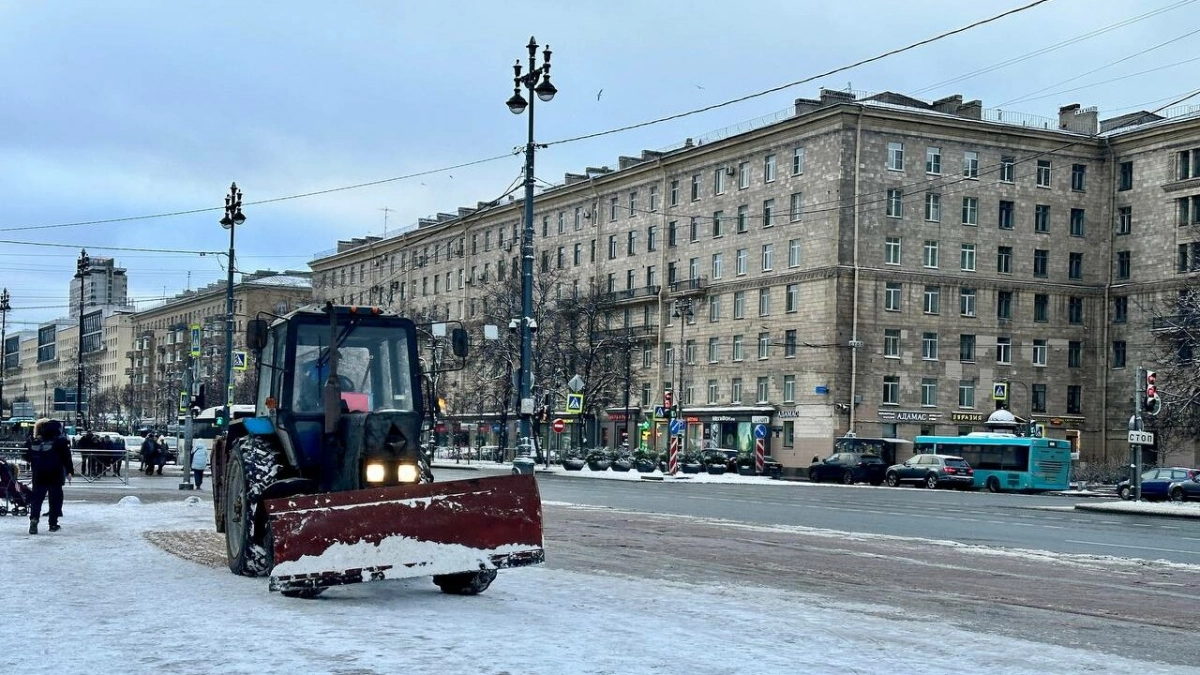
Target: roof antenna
(386, 211)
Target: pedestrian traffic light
(219, 417)
(667, 399)
(1153, 404)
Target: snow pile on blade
(407, 531)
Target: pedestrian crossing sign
(999, 391)
(239, 360)
(575, 404)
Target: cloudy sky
(125, 109)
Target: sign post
(558, 425)
(760, 447)
(676, 430)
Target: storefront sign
(966, 417)
(760, 419)
(788, 414)
(908, 416)
(723, 418)
(617, 417)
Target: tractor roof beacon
(327, 483)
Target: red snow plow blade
(342, 538)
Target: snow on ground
(99, 597)
(1176, 509)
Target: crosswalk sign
(999, 391)
(575, 404)
(239, 360)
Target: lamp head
(517, 103)
(545, 91)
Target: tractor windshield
(374, 370)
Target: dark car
(932, 471)
(1156, 482)
(848, 468)
(1184, 490)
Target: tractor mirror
(256, 334)
(459, 342)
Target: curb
(1132, 510)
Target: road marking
(1140, 548)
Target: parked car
(1182, 491)
(848, 468)
(932, 471)
(1155, 482)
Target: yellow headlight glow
(407, 473)
(375, 473)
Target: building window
(714, 308)
(1125, 176)
(895, 203)
(1041, 262)
(719, 181)
(743, 218)
(769, 169)
(763, 392)
(933, 160)
(929, 346)
(694, 229)
(966, 348)
(1075, 311)
(1039, 352)
(933, 207)
(891, 297)
(966, 302)
(789, 388)
(794, 253)
(966, 394)
(1188, 164)
(1041, 218)
(1074, 399)
(653, 204)
(1041, 308)
(789, 343)
(966, 258)
(712, 391)
(1005, 221)
(743, 175)
(891, 251)
(1074, 354)
(970, 211)
(1188, 209)
(769, 213)
(1004, 259)
(971, 164)
(930, 256)
(1043, 173)
(1075, 265)
(674, 193)
(1077, 223)
(796, 209)
(792, 297)
(1124, 220)
(716, 223)
(764, 302)
(1118, 360)
(1123, 264)
(768, 257)
(797, 161)
(891, 389)
(1120, 309)
(672, 234)
(735, 390)
(764, 346)
(739, 304)
(741, 261)
(933, 296)
(1078, 177)
(1004, 350)
(695, 187)
(891, 343)
(895, 156)
(714, 350)
(651, 238)
(631, 243)
(739, 352)
(928, 392)
(1008, 169)
(1038, 394)
(717, 265)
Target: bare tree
(1175, 326)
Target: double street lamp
(517, 104)
(683, 312)
(82, 267)
(233, 218)
(4, 309)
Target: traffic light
(219, 418)
(1153, 404)
(667, 401)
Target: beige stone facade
(872, 265)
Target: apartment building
(867, 264)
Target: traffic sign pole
(760, 448)
(673, 455)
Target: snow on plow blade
(406, 531)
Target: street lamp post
(683, 312)
(517, 104)
(4, 308)
(233, 218)
(82, 267)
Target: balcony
(641, 292)
(635, 333)
(686, 287)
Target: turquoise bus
(1004, 462)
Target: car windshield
(373, 365)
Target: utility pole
(1136, 424)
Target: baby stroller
(16, 493)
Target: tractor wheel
(466, 583)
(303, 593)
(251, 467)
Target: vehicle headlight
(375, 472)
(407, 473)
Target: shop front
(728, 428)
(620, 425)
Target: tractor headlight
(375, 472)
(407, 473)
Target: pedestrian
(199, 463)
(49, 457)
(160, 459)
(149, 450)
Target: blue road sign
(659, 412)
(760, 431)
(676, 427)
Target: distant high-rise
(104, 286)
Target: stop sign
(558, 425)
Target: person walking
(49, 457)
(199, 463)
(149, 450)
(160, 459)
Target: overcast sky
(133, 108)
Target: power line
(108, 248)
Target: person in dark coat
(49, 457)
(149, 454)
